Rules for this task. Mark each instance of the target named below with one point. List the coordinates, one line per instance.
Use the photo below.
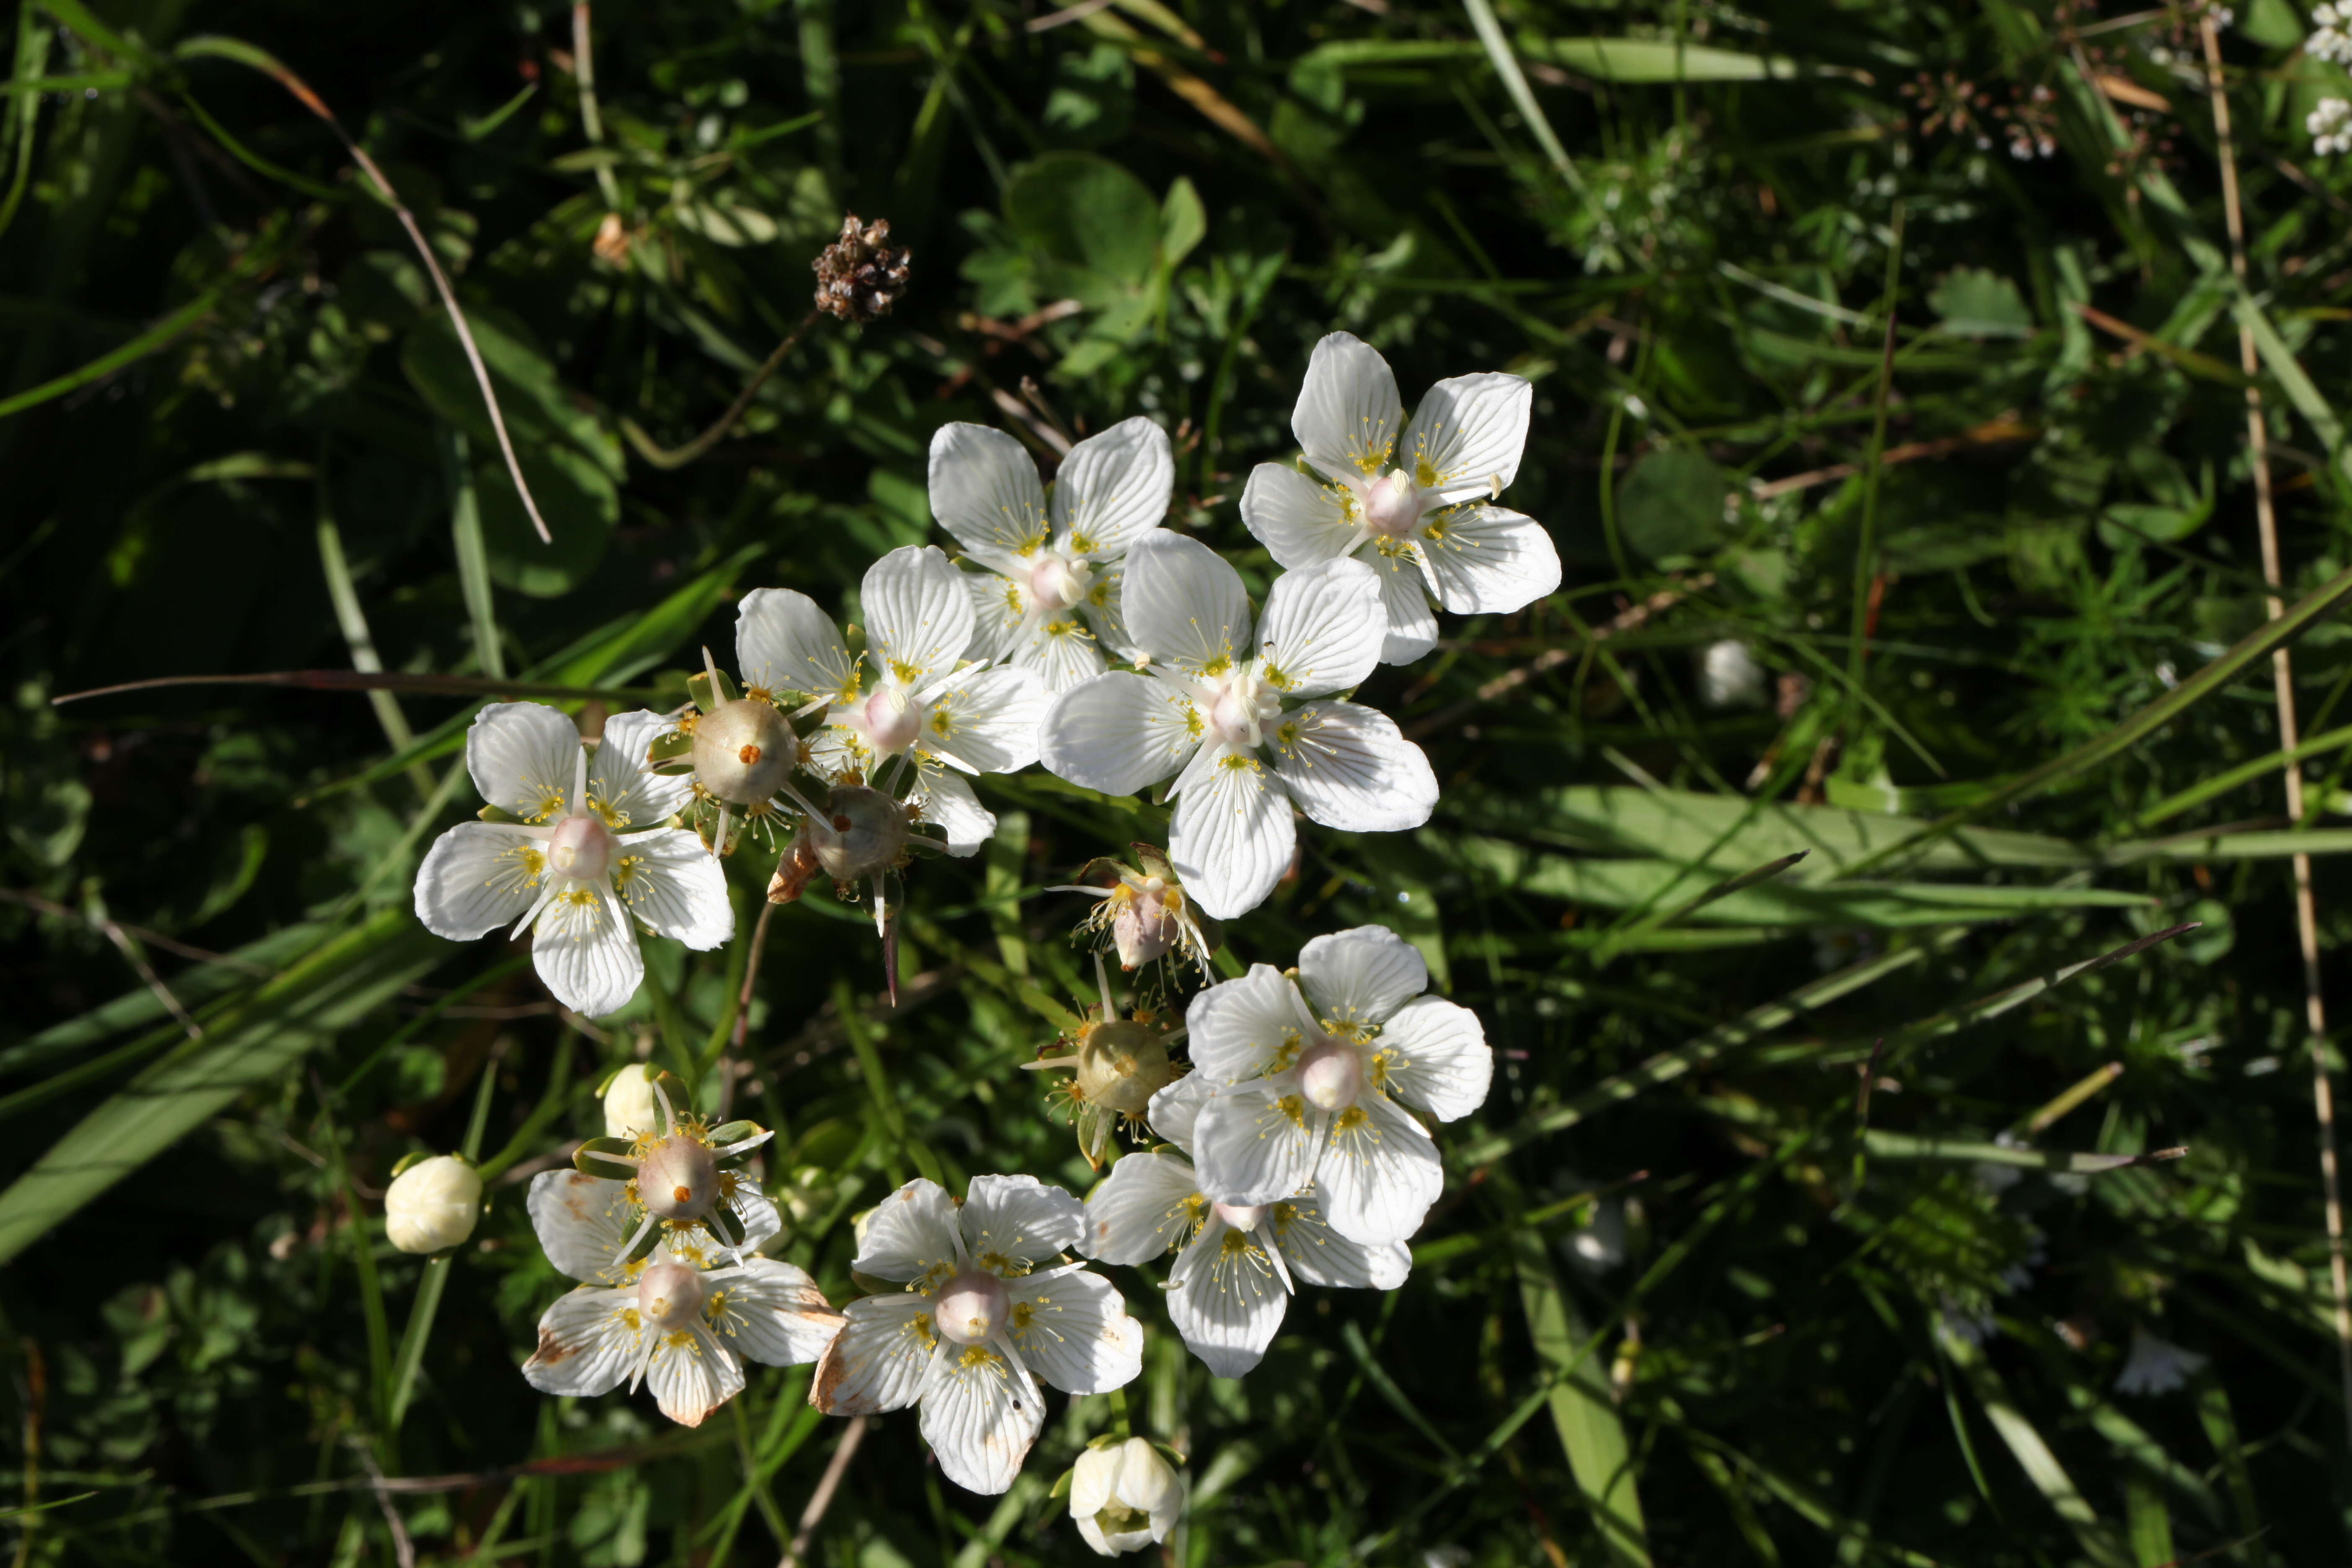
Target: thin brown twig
(1996, 432)
(735, 1038)
(2306, 910)
(116, 935)
(679, 456)
(403, 1550)
(822, 1498)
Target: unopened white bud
(743, 751)
(629, 1109)
(432, 1205)
(1125, 1497)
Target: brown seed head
(860, 275)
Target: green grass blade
(1583, 1410)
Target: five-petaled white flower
(1312, 1071)
(1231, 1284)
(979, 1323)
(1421, 503)
(1051, 591)
(581, 856)
(1211, 706)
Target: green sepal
(698, 688)
(728, 1132)
(1061, 1485)
(499, 814)
(874, 1286)
(647, 1243)
(1154, 861)
(671, 747)
(674, 770)
(417, 1158)
(726, 1224)
(604, 1158)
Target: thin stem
(592, 123)
(679, 456)
(822, 1498)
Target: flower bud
(629, 1109)
(864, 832)
(743, 751)
(1125, 1497)
(679, 1179)
(432, 1205)
(1145, 926)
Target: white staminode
(1049, 600)
(1419, 501)
(1125, 1497)
(1313, 1071)
(1220, 708)
(1227, 1291)
(987, 1312)
(588, 862)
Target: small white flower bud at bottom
(1125, 1497)
(629, 1109)
(669, 1295)
(432, 1205)
(679, 1178)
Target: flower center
(743, 751)
(679, 1178)
(1393, 504)
(1241, 1216)
(1057, 584)
(670, 1295)
(1242, 710)
(1330, 1074)
(972, 1306)
(581, 847)
(893, 720)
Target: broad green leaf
(1975, 303)
(1671, 503)
(580, 503)
(1090, 215)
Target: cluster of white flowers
(2330, 124)
(2331, 33)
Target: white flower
(1314, 1071)
(1125, 1497)
(2330, 124)
(432, 1205)
(629, 1109)
(2156, 1367)
(976, 1328)
(1729, 677)
(2331, 37)
(1051, 591)
(1227, 1292)
(1220, 708)
(677, 1175)
(1143, 914)
(580, 856)
(1431, 532)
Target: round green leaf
(1672, 504)
(580, 504)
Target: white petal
(1350, 767)
(622, 786)
(1184, 602)
(1299, 520)
(1436, 1056)
(1322, 629)
(1019, 1221)
(1174, 1111)
(1239, 1029)
(878, 1360)
(773, 1313)
(945, 800)
(758, 1212)
(999, 607)
(586, 951)
(586, 1343)
(1142, 1208)
(521, 756)
(1320, 1256)
(1466, 437)
(1487, 561)
(1404, 601)
(1113, 486)
(979, 1417)
(784, 642)
(1348, 411)
(986, 720)
(1075, 1333)
(1118, 732)
(1380, 1173)
(835, 751)
(1060, 650)
(582, 1223)
(911, 1234)
(1361, 977)
(985, 492)
(1231, 1302)
(693, 1375)
(669, 881)
(1254, 1143)
(477, 876)
(1231, 838)
(918, 614)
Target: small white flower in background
(1220, 709)
(1431, 534)
(1229, 1288)
(1049, 598)
(629, 1108)
(672, 1184)
(431, 1204)
(988, 1311)
(1729, 677)
(2331, 37)
(1125, 1497)
(2330, 125)
(1313, 1070)
(2156, 1367)
(577, 851)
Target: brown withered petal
(860, 275)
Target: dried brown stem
(822, 1498)
(679, 456)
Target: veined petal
(1143, 1207)
(1358, 977)
(1102, 611)
(980, 1413)
(1380, 1173)
(1118, 732)
(622, 787)
(1184, 602)
(1349, 412)
(1322, 629)
(669, 881)
(477, 876)
(878, 1360)
(836, 750)
(1230, 1301)
(1011, 1223)
(911, 1236)
(1242, 1027)
(1434, 1054)
(1321, 1255)
(1466, 437)
(1487, 561)
(521, 756)
(1232, 838)
(587, 1343)
(693, 1375)
(998, 608)
(586, 951)
(1299, 520)
(986, 722)
(1404, 601)
(1112, 488)
(784, 642)
(582, 1223)
(918, 614)
(944, 799)
(1351, 768)
(1070, 1327)
(1257, 1142)
(770, 1312)
(1174, 1111)
(758, 1212)
(1060, 650)
(984, 492)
